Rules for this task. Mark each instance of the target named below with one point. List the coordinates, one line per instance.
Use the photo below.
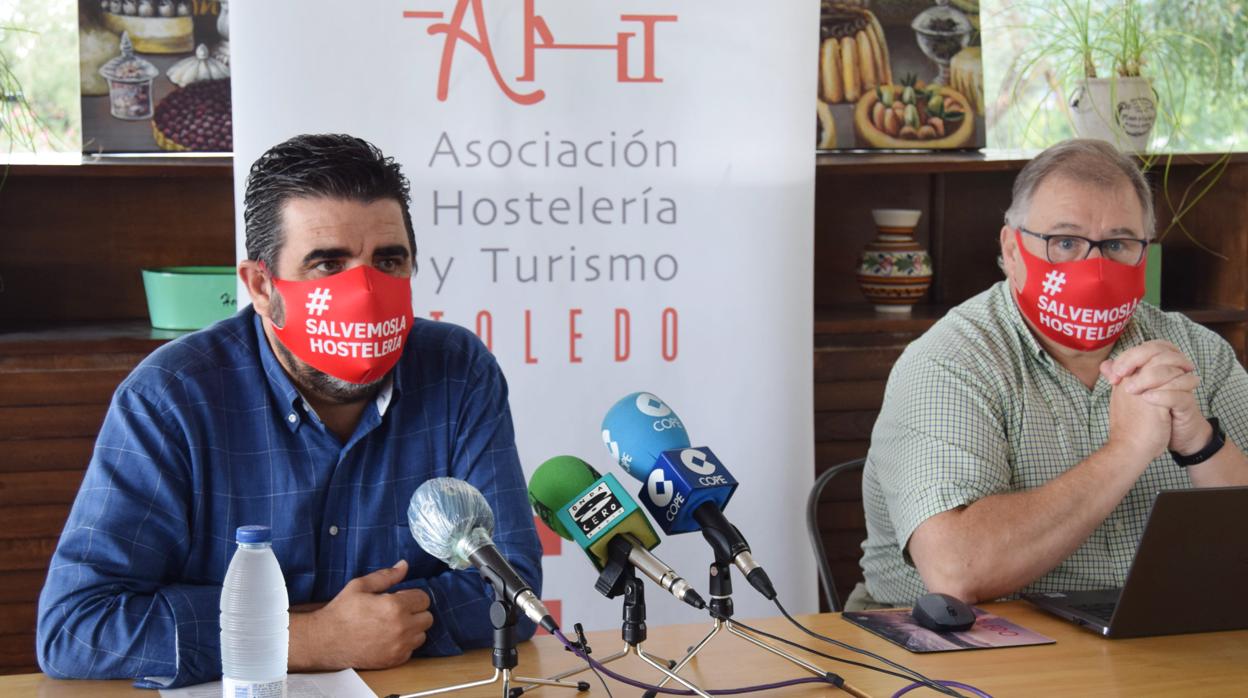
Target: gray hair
(1084, 160)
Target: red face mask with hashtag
(1083, 305)
(351, 325)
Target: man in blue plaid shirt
(252, 421)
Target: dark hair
(317, 165)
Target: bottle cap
(253, 534)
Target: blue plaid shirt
(208, 434)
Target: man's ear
(1011, 259)
(258, 286)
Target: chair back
(814, 505)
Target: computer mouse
(943, 613)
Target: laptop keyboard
(1103, 611)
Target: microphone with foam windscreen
(596, 512)
(638, 429)
(451, 521)
(685, 489)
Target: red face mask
(351, 325)
(1083, 305)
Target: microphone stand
(721, 607)
(505, 658)
(619, 578)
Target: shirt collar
(1132, 335)
(288, 396)
(385, 394)
(280, 386)
(1016, 320)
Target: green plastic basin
(189, 298)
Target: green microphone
(597, 513)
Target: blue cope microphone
(685, 488)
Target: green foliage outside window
(1212, 107)
(39, 77)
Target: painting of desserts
(900, 75)
(155, 76)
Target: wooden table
(1080, 664)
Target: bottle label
(237, 688)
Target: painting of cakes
(900, 75)
(155, 76)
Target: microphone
(638, 429)
(596, 512)
(451, 521)
(685, 489)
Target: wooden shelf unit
(867, 162)
(120, 166)
(73, 317)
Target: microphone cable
(951, 684)
(919, 678)
(829, 678)
(581, 642)
(824, 655)
(603, 681)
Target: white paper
(341, 684)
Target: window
(1209, 97)
(39, 77)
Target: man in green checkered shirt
(1017, 454)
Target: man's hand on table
(363, 627)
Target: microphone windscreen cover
(443, 513)
(555, 483)
(638, 428)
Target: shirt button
(292, 418)
(333, 530)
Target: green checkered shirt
(976, 407)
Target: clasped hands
(1153, 405)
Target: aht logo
(537, 35)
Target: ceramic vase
(894, 271)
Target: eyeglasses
(1072, 248)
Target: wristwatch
(1216, 442)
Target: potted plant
(1120, 108)
(1117, 74)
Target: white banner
(617, 196)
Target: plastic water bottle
(255, 619)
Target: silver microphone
(660, 573)
(451, 521)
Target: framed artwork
(900, 75)
(155, 76)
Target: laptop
(1189, 575)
